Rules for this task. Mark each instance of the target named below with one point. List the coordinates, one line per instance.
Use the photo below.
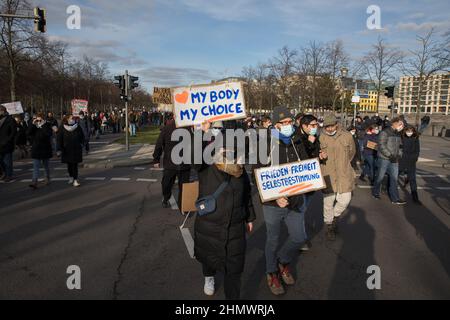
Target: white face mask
(376, 131)
(409, 134)
(332, 133)
(215, 132)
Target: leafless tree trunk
(379, 63)
(431, 57)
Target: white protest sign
(289, 179)
(13, 107)
(208, 103)
(79, 105)
(356, 99)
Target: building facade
(434, 98)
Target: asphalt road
(128, 247)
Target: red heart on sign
(182, 97)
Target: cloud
(174, 76)
(226, 10)
(412, 26)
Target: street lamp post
(344, 72)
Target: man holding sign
(276, 183)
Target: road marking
(147, 180)
(365, 187)
(120, 179)
(156, 169)
(173, 203)
(139, 168)
(443, 188)
(425, 160)
(95, 179)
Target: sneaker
(70, 181)
(275, 286)
(399, 202)
(209, 286)
(166, 204)
(335, 225)
(76, 183)
(286, 274)
(306, 246)
(331, 233)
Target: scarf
(71, 128)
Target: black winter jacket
(41, 141)
(165, 145)
(70, 144)
(220, 240)
(8, 133)
(411, 152)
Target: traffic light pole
(127, 125)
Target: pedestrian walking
(389, 154)
(338, 173)
(290, 149)
(21, 137)
(370, 154)
(357, 159)
(85, 126)
(8, 133)
(220, 236)
(70, 147)
(164, 146)
(40, 133)
(408, 162)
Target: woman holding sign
(220, 242)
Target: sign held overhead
(208, 103)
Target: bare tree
(380, 63)
(16, 37)
(313, 61)
(337, 58)
(282, 68)
(430, 57)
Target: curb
(111, 165)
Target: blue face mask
(288, 130)
(313, 132)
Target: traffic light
(119, 81)
(389, 92)
(39, 20)
(132, 83)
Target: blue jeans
(36, 167)
(6, 162)
(293, 220)
(307, 198)
(386, 166)
(133, 129)
(369, 167)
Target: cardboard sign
(289, 179)
(13, 107)
(372, 145)
(208, 103)
(162, 95)
(189, 196)
(78, 106)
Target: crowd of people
(41, 137)
(372, 145)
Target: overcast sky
(179, 42)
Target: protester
(165, 145)
(85, 126)
(266, 122)
(132, 120)
(8, 133)
(307, 132)
(337, 171)
(70, 142)
(370, 154)
(220, 240)
(407, 165)
(357, 159)
(389, 154)
(424, 123)
(284, 209)
(21, 137)
(41, 133)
